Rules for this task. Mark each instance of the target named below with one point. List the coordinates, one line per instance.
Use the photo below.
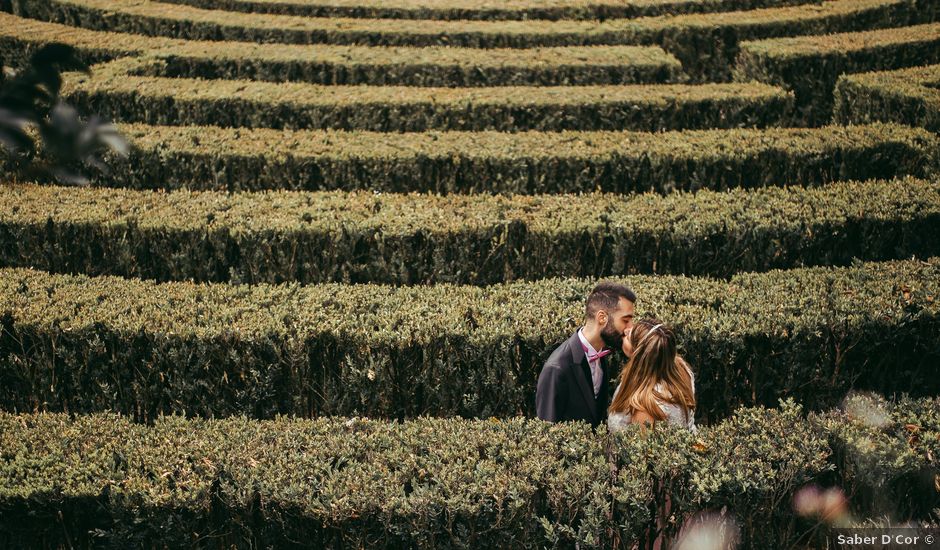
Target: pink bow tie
(595, 356)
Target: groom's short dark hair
(606, 296)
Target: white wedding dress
(674, 413)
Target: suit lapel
(581, 366)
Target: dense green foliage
(906, 96)
(136, 90)
(94, 344)
(811, 65)
(100, 479)
(362, 237)
(705, 44)
(483, 10)
(333, 64)
(205, 157)
(216, 345)
(887, 455)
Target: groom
(574, 382)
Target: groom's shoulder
(561, 356)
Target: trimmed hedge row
(20, 38)
(79, 344)
(335, 482)
(361, 237)
(328, 64)
(908, 96)
(810, 66)
(325, 483)
(514, 10)
(114, 91)
(706, 44)
(430, 66)
(352, 483)
(201, 157)
(887, 455)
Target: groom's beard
(612, 338)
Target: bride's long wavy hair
(654, 360)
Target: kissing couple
(655, 383)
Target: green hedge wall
(20, 37)
(706, 44)
(200, 157)
(318, 237)
(810, 66)
(887, 455)
(289, 483)
(330, 64)
(90, 344)
(336, 482)
(116, 90)
(552, 10)
(906, 96)
(428, 66)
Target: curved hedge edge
(330, 64)
(20, 38)
(444, 349)
(810, 66)
(116, 90)
(459, 10)
(523, 163)
(100, 478)
(907, 96)
(705, 44)
(362, 237)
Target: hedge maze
(310, 306)
(907, 96)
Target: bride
(656, 384)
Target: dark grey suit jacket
(565, 390)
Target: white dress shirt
(597, 374)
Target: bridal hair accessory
(648, 334)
